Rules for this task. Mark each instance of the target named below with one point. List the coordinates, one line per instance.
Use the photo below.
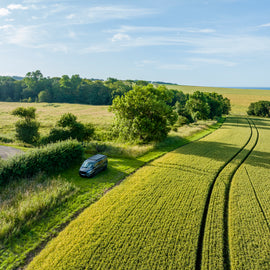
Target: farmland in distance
(240, 98)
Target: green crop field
(249, 207)
(180, 211)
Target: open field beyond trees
(49, 113)
(202, 206)
(240, 98)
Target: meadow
(49, 113)
(157, 216)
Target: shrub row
(49, 159)
(6, 140)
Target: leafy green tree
(226, 106)
(218, 104)
(44, 96)
(197, 106)
(260, 108)
(143, 115)
(27, 129)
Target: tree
(260, 108)
(44, 96)
(197, 106)
(142, 114)
(27, 129)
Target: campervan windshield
(88, 164)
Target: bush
(50, 159)
(68, 128)
(6, 140)
(27, 131)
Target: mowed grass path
(153, 219)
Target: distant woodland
(34, 87)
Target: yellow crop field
(162, 216)
(240, 98)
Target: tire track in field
(225, 217)
(226, 208)
(258, 200)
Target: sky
(188, 42)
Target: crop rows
(153, 219)
(249, 208)
(215, 249)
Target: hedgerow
(49, 159)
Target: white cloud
(5, 27)
(120, 37)
(100, 49)
(144, 63)
(212, 61)
(4, 12)
(16, 6)
(70, 16)
(146, 29)
(72, 34)
(101, 13)
(231, 45)
(174, 67)
(264, 25)
(23, 36)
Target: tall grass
(24, 201)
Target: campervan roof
(97, 157)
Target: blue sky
(191, 42)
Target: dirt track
(6, 151)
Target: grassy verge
(16, 248)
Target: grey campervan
(93, 165)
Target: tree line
(34, 87)
(147, 113)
